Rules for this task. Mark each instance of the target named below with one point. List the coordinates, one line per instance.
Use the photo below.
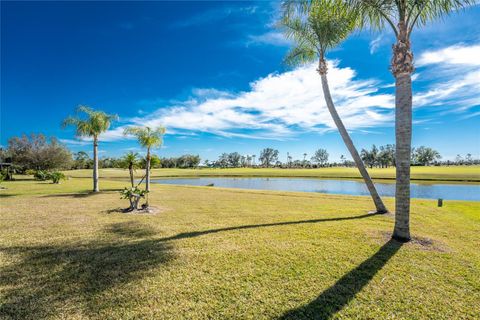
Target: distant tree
(268, 156)
(320, 157)
(188, 161)
(148, 138)
(249, 160)
(425, 155)
(37, 153)
(223, 160)
(459, 159)
(234, 159)
(82, 160)
(92, 126)
(370, 157)
(468, 158)
(131, 162)
(386, 156)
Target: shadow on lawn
(332, 300)
(84, 194)
(252, 226)
(44, 279)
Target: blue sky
(213, 74)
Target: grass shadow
(131, 229)
(45, 279)
(274, 224)
(332, 300)
(84, 194)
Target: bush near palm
(317, 27)
(402, 17)
(95, 123)
(148, 138)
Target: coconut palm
(131, 161)
(316, 27)
(148, 138)
(95, 123)
(402, 16)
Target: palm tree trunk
(130, 168)
(147, 169)
(95, 165)
(351, 148)
(402, 68)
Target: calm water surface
(352, 187)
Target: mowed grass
(230, 254)
(444, 173)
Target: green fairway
(451, 173)
(221, 253)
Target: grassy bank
(219, 253)
(451, 173)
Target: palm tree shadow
(274, 224)
(43, 279)
(332, 300)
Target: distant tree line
(37, 152)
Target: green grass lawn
(451, 173)
(217, 254)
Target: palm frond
(316, 26)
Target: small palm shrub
(56, 176)
(41, 175)
(133, 195)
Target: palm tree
(403, 16)
(148, 138)
(95, 123)
(316, 27)
(131, 161)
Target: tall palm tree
(92, 126)
(402, 16)
(131, 161)
(148, 138)
(316, 27)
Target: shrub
(41, 175)
(133, 195)
(30, 172)
(56, 176)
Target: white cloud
(74, 142)
(275, 38)
(375, 44)
(278, 106)
(455, 75)
(453, 55)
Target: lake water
(352, 187)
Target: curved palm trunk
(95, 165)
(348, 142)
(402, 68)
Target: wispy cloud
(214, 15)
(375, 44)
(74, 142)
(275, 38)
(455, 82)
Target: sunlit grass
(221, 253)
(444, 173)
